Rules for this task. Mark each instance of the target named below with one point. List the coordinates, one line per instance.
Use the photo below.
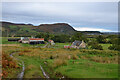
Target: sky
(82, 16)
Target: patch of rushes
(67, 62)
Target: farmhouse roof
(50, 40)
(76, 43)
(24, 38)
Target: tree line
(62, 38)
(93, 43)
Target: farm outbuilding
(79, 44)
(51, 42)
(25, 40)
(13, 39)
(36, 41)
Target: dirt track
(21, 74)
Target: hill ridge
(30, 29)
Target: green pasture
(61, 45)
(82, 63)
(4, 40)
(105, 46)
(87, 69)
(79, 69)
(74, 68)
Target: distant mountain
(110, 33)
(12, 29)
(15, 29)
(56, 28)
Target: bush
(115, 44)
(51, 57)
(101, 39)
(26, 50)
(58, 74)
(64, 56)
(4, 73)
(100, 52)
(74, 57)
(7, 63)
(96, 46)
(59, 62)
(114, 47)
(21, 54)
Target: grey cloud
(91, 14)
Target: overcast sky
(83, 16)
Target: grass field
(61, 45)
(70, 63)
(88, 69)
(105, 46)
(5, 41)
(57, 45)
(58, 62)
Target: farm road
(45, 75)
(21, 74)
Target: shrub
(101, 39)
(100, 52)
(26, 50)
(74, 57)
(58, 74)
(7, 62)
(96, 46)
(5, 73)
(64, 56)
(21, 54)
(114, 47)
(59, 62)
(12, 64)
(51, 57)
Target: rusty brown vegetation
(59, 57)
(7, 63)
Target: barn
(13, 39)
(36, 41)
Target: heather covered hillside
(14, 29)
(28, 29)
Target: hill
(56, 28)
(13, 29)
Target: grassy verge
(32, 67)
(71, 63)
